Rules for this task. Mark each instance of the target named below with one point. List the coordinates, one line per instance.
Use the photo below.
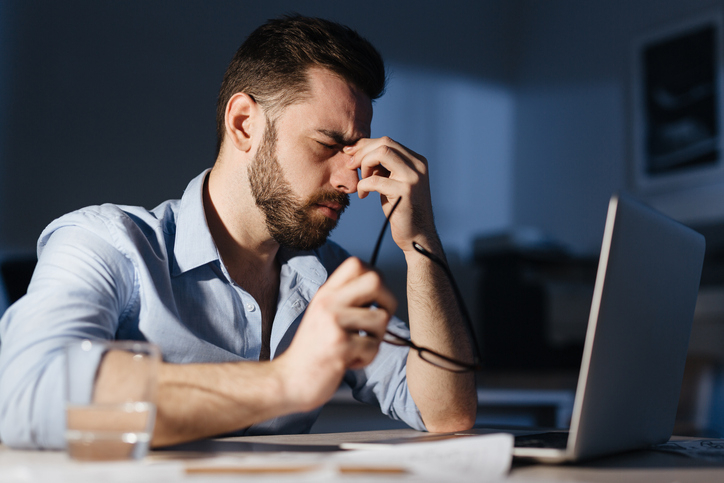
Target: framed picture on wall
(677, 106)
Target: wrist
(432, 244)
(286, 389)
(295, 391)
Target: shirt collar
(305, 263)
(193, 245)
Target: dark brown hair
(271, 65)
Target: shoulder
(122, 227)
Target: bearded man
(259, 318)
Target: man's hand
(328, 340)
(395, 171)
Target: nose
(342, 177)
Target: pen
(345, 469)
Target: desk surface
(639, 466)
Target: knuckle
(334, 318)
(383, 317)
(355, 263)
(372, 182)
(376, 282)
(384, 151)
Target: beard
(291, 222)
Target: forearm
(447, 401)
(200, 400)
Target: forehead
(332, 106)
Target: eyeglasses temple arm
(458, 296)
(376, 251)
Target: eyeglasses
(428, 355)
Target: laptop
(636, 342)
(637, 338)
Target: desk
(634, 467)
(497, 407)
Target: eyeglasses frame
(400, 341)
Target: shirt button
(297, 304)
(250, 307)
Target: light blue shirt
(121, 272)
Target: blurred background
(531, 114)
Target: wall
(115, 102)
(573, 115)
(522, 107)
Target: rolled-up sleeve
(79, 289)
(384, 382)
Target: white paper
(471, 458)
(703, 449)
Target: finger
(370, 320)
(384, 165)
(349, 269)
(369, 143)
(378, 171)
(390, 189)
(383, 157)
(387, 162)
(365, 290)
(362, 351)
(364, 147)
(352, 149)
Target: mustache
(329, 196)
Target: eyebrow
(338, 137)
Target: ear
(242, 113)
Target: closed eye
(328, 146)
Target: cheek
(307, 166)
(308, 173)
(306, 179)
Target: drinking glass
(111, 394)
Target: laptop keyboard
(555, 440)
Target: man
(259, 318)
